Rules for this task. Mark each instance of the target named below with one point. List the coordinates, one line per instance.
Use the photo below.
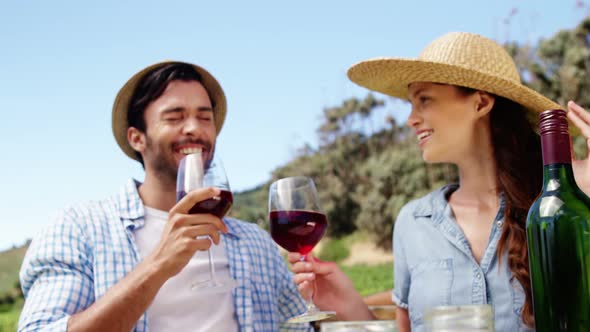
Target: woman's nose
(413, 119)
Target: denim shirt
(434, 265)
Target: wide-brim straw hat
(457, 58)
(121, 105)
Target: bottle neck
(556, 148)
(557, 176)
(557, 160)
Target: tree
(559, 68)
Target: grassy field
(367, 278)
(8, 320)
(370, 279)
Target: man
(126, 263)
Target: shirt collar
(234, 229)
(437, 203)
(131, 209)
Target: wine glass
(193, 174)
(297, 224)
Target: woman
(464, 243)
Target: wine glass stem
(211, 266)
(310, 306)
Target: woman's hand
(332, 289)
(581, 119)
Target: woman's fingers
(572, 106)
(300, 278)
(300, 267)
(311, 264)
(305, 289)
(579, 117)
(293, 257)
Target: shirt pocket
(518, 296)
(430, 286)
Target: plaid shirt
(91, 247)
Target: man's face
(178, 122)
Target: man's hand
(123, 304)
(185, 233)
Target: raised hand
(581, 119)
(179, 240)
(332, 290)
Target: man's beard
(165, 168)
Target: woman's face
(445, 120)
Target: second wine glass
(194, 173)
(297, 224)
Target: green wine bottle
(558, 235)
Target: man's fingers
(202, 231)
(192, 198)
(200, 244)
(182, 220)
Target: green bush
(5, 307)
(334, 250)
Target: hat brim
(392, 76)
(121, 104)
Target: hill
(10, 262)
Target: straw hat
(457, 58)
(121, 105)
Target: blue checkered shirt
(91, 247)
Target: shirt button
(499, 223)
(478, 276)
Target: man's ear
(484, 103)
(136, 139)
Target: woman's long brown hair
(519, 166)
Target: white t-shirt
(176, 307)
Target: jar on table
(463, 318)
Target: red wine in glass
(217, 206)
(296, 230)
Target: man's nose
(190, 126)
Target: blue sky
(280, 63)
